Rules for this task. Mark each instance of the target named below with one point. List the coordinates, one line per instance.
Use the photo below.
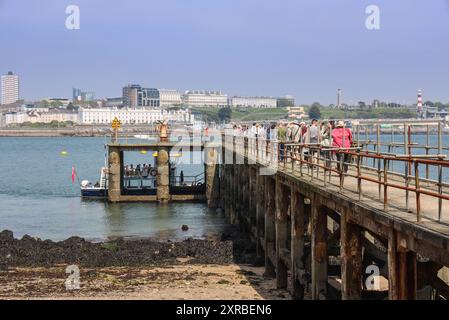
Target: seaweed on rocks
(34, 252)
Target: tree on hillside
(314, 112)
(225, 114)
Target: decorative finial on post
(162, 127)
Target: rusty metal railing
(324, 164)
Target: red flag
(73, 174)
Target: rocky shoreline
(34, 252)
(218, 268)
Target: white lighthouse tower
(419, 105)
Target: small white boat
(98, 190)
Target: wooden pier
(326, 234)
(378, 231)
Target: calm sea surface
(37, 196)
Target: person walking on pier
(282, 138)
(342, 138)
(326, 142)
(313, 135)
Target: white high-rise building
(10, 88)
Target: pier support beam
(297, 213)
(319, 251)
(252, 192)
(212, 178)
(115, 160)
(260, 215)
(233, 194)
(282, 207)
(270, 211)
(402, 270)
(163, 174)
(351, 259)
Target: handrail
(283, 153)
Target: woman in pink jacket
(342, 138)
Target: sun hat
(340, 124)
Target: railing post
(359, 175)
(340, 172)
(417, 191)
(407, 165)
(440, 169)
(385, 184)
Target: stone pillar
(297, 213)
(351, 259)
(270, 211)
(282, 198)
(212, 178)
(163, 175)
(319, 251)
(114, 179)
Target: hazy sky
(242, 47)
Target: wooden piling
(297, 213)
(319, 251)
(281, 234)
(270, 211)
(351, 259)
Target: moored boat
(98, 190)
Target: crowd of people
(332, 135)
(140, 170)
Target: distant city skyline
(307, 49)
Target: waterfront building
(33, 116)
(10, 88)
(132, 115)
(15, 118)
(57, 115)
(254, 102)
(287, 101)
(169, 97)
(135, 96)
(205, 99)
